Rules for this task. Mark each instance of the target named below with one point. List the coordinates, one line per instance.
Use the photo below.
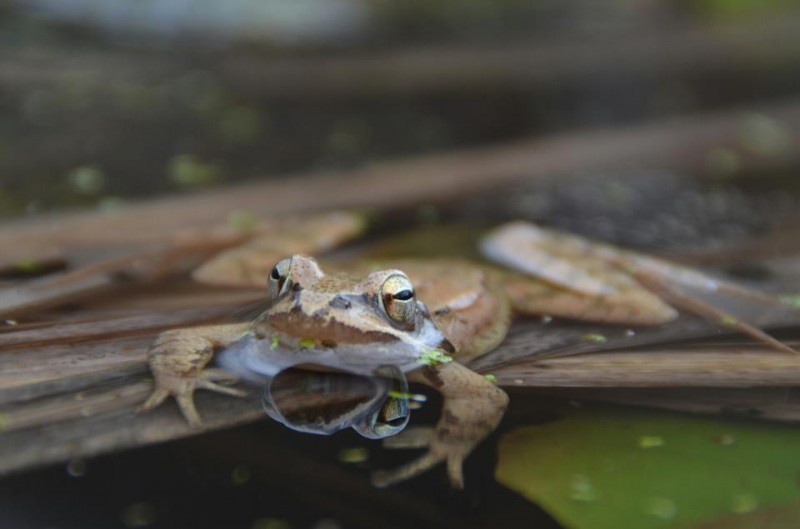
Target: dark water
(261, 476)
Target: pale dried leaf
(249, 265)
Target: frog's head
(372, 325)
(375, 320)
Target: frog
(363, 324)
(460, 309)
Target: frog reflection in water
(357, 325)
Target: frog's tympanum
(371, 325)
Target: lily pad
(781, 517)
(609, 469)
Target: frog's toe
(411, 437)
(155, 399)
(183, 388)
(213, 386)
(214, 379)
(186, 404)
(455, 471)
(384, 478)
(216, 374)
(184, 395)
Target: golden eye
(278, 278)
(397, 297)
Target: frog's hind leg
(472, 409)
(178, 359)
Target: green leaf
(608, 469)
(782, 517)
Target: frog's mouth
(256, 359)
(446, 346)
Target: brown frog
(362, 325)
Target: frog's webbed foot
(183, 388)
(178, 358)
(472, 408)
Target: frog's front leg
(178, 359)
(472, 409)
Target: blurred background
(105, 102)
(102, 101)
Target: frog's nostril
(446, 346)
(340, 302)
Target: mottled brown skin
(313, 305)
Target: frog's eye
(278, 278)
(397, 296)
